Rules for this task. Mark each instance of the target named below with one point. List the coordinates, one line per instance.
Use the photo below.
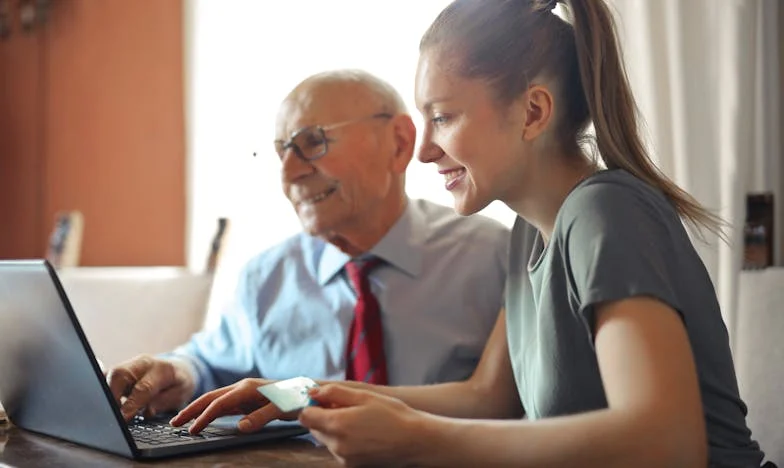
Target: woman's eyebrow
(428, 106)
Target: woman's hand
(239, 398)
(364, 428)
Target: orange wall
(91, 118)
(20, 154)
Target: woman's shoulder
(616, 204)
(617, 194)
(612, 184)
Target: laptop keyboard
(159, 433)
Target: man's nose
(293, 166)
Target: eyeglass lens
(309, 143)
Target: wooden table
(19, 448)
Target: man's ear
(404, 138)
(539, 107)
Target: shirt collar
(402, 247)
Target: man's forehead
(322, 104)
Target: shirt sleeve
(617, 244)
(223, 354)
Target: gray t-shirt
(615, 237)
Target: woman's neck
(547, 187)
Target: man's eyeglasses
(311, 143)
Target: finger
(319, 419)
(165, 401)
(197, 406)
(325, 440)
(335, 395)
(332, 444)
(229, 403)
(255, 420)
(122, 378)
(159, 376)
(120, 381)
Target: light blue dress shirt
(440, 290)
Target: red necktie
(365, 360)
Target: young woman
(612, 344)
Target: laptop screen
(50, 381)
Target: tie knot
(358, 270)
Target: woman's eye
(439, 119)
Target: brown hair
(510, 42)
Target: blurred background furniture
(759, 356)
(65, 242)
(129, 311)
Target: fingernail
(244, 424)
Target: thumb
(336, 395)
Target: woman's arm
(489, 393)
(654, 418)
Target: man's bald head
(338, 95)
(362, 83)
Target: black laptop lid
(50, 381)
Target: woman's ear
(404, 139)
(538, 102)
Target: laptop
(51, 383)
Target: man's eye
(280, 149)
(312, 141)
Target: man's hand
(239, 398)
(151, 384)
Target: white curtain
(706, 77)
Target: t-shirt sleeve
(617, 242)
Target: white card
(289, 395)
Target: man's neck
(365, 233)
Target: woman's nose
(429, 152)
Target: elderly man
(379, 287)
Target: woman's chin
(465, 206)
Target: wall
(20, 150)
(91, 118)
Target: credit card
(289, 395)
